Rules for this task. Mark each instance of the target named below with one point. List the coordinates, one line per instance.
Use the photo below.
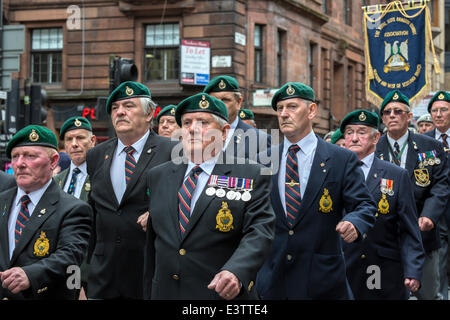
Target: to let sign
(195, 62)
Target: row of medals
(385, 190)
(230, 194)
(429, 162)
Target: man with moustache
(424, 159)
(44, 231)
(119, 194)
(315, 185)
(210, 225)
(389, 261)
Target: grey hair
(219, 120)
(148, 105)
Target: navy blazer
(431, 200)
(394, 244)
(306, 261)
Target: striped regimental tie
(130, 163)
(73, 181)
(22, 218)
(396, 159)
(292, 186)
(444, 137)
(185, 196)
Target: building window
(447, 36)
(162, 52)
(326, 7)
(46, 55)
(258, 43)
(280, 65)
(347, 13)
(312, 64)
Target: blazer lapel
(149, 150)
(43, 210)
(107, 183)
(411, 158)
(204, 200)
(85, 189)
(317, 175)
(382, 150)
(374, 177)
(275, 189)
(5, 208)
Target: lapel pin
(375, 175)
(322, 164)
(106, 157)
(149, 151)
(415, 146)
(324, 170)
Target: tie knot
(196, 171)
(76, 171)
(396, 146)
(294, 148)
(25, 199)
(360, 163)
(129, 150)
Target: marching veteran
(76, 132)
(166, 121)
(243, 140)
(389, 261)
(210, 225)
(315, 184)
(248, 117)
(424, 159)
(44, 230)
(119, 194)
(425, 123)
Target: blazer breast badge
(325, 203)
(41, 246)
(224, 218)
(422, 177)
(383, 205)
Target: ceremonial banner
(397, 41)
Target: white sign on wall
(221, 61)
(263, 98)
(195, 62)
(239, 38)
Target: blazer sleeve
(258, 234)
(358, 202)
(411, 248)
(73, 238)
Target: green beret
(439, 96)
(425, 118)
(222, 83)
(74, 123)
(364, 117)
(293, 90)
(167, 111)
(201, 102)
(394, 96)
(32, 135)
(337, 135)
(127, 90)
(246, 114)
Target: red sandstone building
(68, 45)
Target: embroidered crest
(325, 203)
(41, 246)
(383, 205)
(224, 219)
(422, 177)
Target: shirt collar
(138, 145)
(34, 196)
(400, 141)
(437, 133)
(82, 167)
(234, 124)
(368, 160)
(307, 144)
(207, 166)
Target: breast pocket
(225, 216)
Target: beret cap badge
(362, 116)
(242, 114)
(204, 104)
(441, 96)
(33, 136)
(290, 90)
(77, 123)
(395, 97)
(172, 111)
(222, 85)
(129, 91)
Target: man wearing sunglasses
(424, 159)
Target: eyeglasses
(397, 112)
(436, 111)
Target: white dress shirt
(437, 135)
(367, 164)
(305, 157)
(118, 165)
(35, 197)
(81, 178)
(403, 139)
(203, 178)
